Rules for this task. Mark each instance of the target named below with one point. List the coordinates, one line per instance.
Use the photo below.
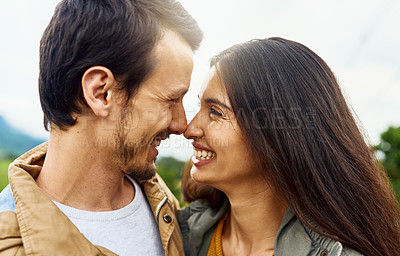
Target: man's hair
(117, 34)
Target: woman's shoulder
(200, 210)
(197, 222)
(329, 245)
(295, 238)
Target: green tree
(4, 172)
(390, 147)
(170, 169)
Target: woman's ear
(97, 83)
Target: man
(112, 77)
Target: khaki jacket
(39, 228)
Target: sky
(357, 39)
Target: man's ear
(96, 84)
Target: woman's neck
(253, 221)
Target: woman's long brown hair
(304, 137)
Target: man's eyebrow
(177, 93)
(215, 101)
(181, 91)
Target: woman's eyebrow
(215, 101)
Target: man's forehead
(173, 58)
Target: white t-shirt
(131, 230)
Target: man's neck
(75, 173)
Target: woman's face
(220, 155)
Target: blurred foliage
(390, 147)
(4, 172)
(170, 169)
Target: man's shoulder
(10, 236)
(9, 228)
(7, 200)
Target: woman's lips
(200, 147)
(202, 155)
(199, 162)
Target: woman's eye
(212, 111)
(176, 100)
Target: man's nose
(178, 123)
(193, 130)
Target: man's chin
(145, 172)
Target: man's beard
(126, 151)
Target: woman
(280, 166)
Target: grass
(4, 172)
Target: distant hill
(14, 142)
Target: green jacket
(198, 222)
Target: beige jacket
(39, 228)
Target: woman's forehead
(213, 87)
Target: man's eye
(212, 111)
(176, 100)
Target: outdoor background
(358, 39)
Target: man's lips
(161, 136)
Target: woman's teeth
(203, 154)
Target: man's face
(156, 110)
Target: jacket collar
(155, 193)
